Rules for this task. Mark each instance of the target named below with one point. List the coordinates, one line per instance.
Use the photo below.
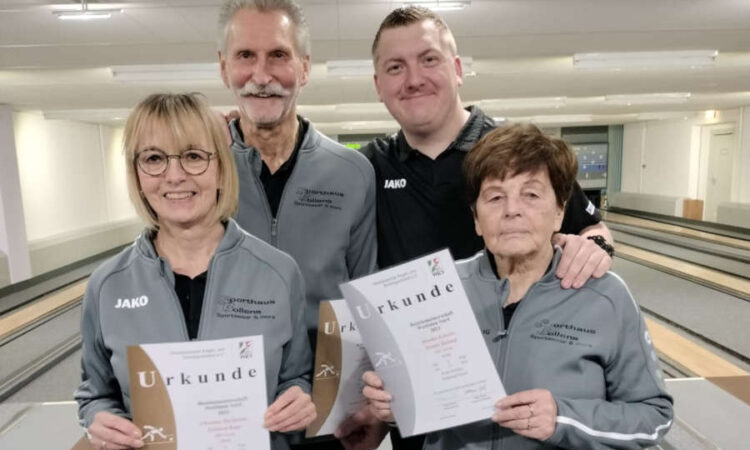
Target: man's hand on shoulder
(582, 258)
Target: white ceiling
(519, 48)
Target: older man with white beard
(299, 191)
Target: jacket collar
(233, 235)
(310, 141)
(470, 133)
(487, 269)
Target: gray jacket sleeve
(99, 389)
(361, 256)
(637, 411)
(296, 359)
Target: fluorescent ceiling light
(344, 68)
(568, 118)
(666, 98)
(165, 72)
(645, 60)
(441, 5)
(662, 115)
(87, 115)
(523, 103)
(85, 13)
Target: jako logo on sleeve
(131, 303)
(397, 183)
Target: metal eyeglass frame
(179, 159)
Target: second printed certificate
(424, 341)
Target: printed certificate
(340, 361)
(423, 340)
(200, 394)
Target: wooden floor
(10, 323)
(690, 355)
(674, 229)
(721, 281)
(670, 345)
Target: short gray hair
(289, 7)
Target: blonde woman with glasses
(189, 260)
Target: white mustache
(251, 88)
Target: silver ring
(531, 410)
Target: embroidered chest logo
(396, 183)
(131, 303)
(319, 198)
(563, 333)
(246, 308)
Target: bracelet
(601, 242)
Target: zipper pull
(500, 335)
(273, 227)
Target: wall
(71, 175)
(663, 145)
(741, 193)
(633, 138)
(118, 202)
(672, 152)
(12, 225)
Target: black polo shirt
(190, 292)
(422, 205)
(273, 183)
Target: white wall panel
(667, 158)
(632, 156)
(741, 191)
(64, 177)
(118, 202)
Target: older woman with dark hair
(578, 364)
(184, 267)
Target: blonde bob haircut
(189, 120)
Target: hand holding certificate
(424, 342)
(200, 394)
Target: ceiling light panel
(665, 98)
(441, 5)
(645, 60)
(523, 103)
(84, 13)
(165, 72)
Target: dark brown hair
(519, 148)
(408, 15)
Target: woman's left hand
(293, 410)
(530, 413)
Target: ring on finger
(528, 423)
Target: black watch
(601, 242)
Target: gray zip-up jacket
(326, 217)
(242, 269)
(589, 347)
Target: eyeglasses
(154, 161)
